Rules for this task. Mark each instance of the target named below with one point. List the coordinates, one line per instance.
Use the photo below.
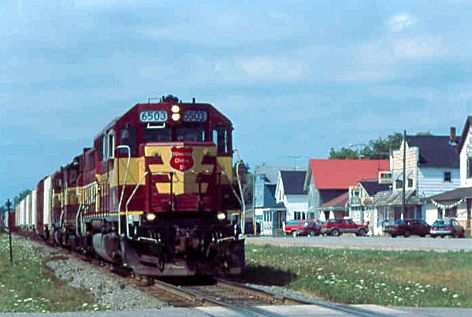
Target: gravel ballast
(109, 290)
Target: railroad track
(241, 298)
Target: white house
(361, 204)
(456, 203)
(290, 191)
(432, 167)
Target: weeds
(399, 278)
(28, 286)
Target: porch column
(468, 204)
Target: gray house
(268, 213)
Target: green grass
(28, 286)
(397, 278)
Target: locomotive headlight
(150, 216)
(176, 116)
(175, 108)
(221, 216)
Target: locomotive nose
(180, 174)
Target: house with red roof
(327, 183)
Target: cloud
(271, 68)
(401, 21)
(418, 47)
(391, 57)
(104, 4)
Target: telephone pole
(8, 204)
(404, 176)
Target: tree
(18, 198)
(247, 180)
(343, 154)
(375, 149)
(424, 133)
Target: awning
(394, 198)
(452, 198)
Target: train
(152, 194)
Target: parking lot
(375, 243)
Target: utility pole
(404, 177)
(254, 224)
(294, 158)
(8, 204)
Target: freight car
(151, 194)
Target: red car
(336, 227)
(295, 227)
(407, 227)
(311, 229)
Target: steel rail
(354, 311)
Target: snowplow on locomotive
(151, 194)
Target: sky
(295, 77)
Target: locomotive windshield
(195, 134)
(157, 135)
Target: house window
(469, 167)
(298, 215)
(310, 215)
(398, 183)
(410, 182)
(447, 177)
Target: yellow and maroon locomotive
(151, 194)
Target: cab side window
(220, 138)
(108, 145)
(128, 137)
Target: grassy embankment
(398, 278)
(28, 286)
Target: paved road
(376, 243)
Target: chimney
(453, 136)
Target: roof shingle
(434, 151)
(373, 187)
(293, 182)
(340, 174)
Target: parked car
(336, 227)
(407, 227)
(294, 227)
(447, 227)
(313, 228)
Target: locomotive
(152, 194)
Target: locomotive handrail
(126, 147)
(77, 219)
(129, 200)
(243, 203)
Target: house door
(278, 219)
(326, 214)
